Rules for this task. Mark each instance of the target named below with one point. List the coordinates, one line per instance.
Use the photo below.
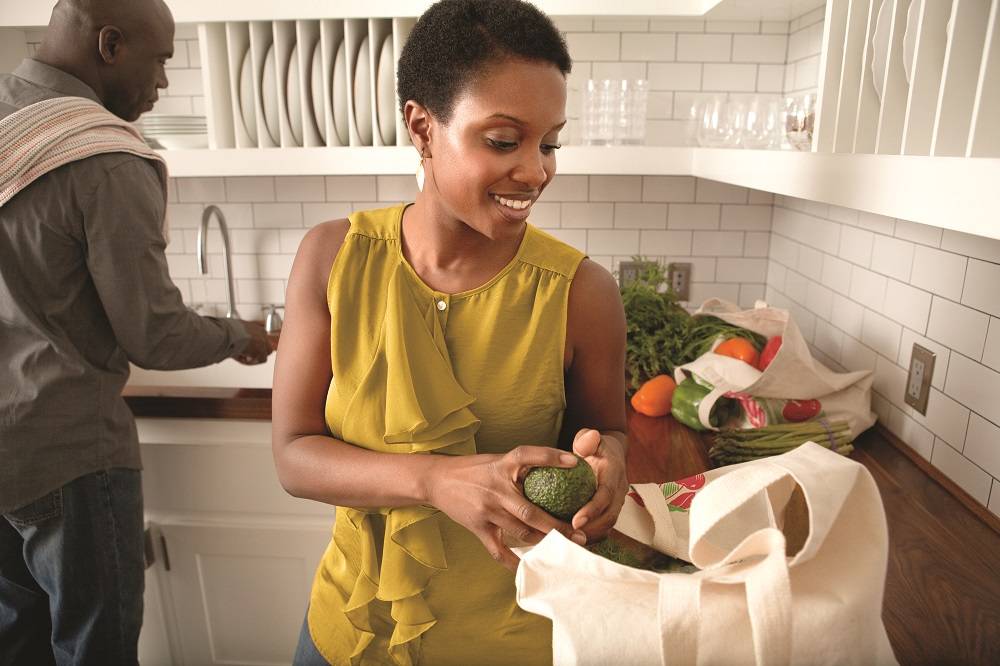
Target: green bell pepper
(687, 398)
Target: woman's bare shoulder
(595, 318)
(594, 291)
(319, 248)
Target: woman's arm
(595, 419)
(480, 492)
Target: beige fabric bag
(749, 604)
(793, 374)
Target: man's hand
(259, 346)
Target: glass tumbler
(600, 111)
(633, 99)
(762, 123)
(719, 124)
(800, 119)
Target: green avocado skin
(561, 491)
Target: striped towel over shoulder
(49, 134)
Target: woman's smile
(515, 208)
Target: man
(84, 289)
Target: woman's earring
(420, 175)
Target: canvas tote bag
(750, 603)
(793, 375)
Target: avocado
(623, 550)
(612, 550)
(561, 491)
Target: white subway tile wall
(885, 285)
(612, 218)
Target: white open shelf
(395, 160)
(949, 192)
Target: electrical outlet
(918, 381)
(628, 271)
(679, 278)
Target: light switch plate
(918, 380)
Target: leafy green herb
(656, 325)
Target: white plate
(269, 96)
(385, 102)
(910, 38)
(338, 93)
(363, 95)
(246, 98)
(293, 97)
(316, 88)
(880, 46)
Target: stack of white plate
(174, 132)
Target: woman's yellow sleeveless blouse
(417, 371)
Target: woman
(453, 329)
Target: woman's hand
(483, 493)
(606, 455)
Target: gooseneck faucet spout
(206, 217)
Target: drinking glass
(718, 126)
(633, 98)
(695, 111)
(800, 118)
(762, 123)
(600, 101)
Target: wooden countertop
(942, 593)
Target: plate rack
(938, 70)
(262, 79)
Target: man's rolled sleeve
(125, 256)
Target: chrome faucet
(206, 217)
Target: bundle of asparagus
(736, 446)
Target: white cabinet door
(154, 639)
(239, 593)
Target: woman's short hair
(454, 40)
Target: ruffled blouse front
(396, 389)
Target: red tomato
(739, 348)
(769, 352)
(801, 410)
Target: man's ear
(109, 43)
(419, 122)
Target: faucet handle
(272, 320)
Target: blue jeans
(72, 574)
(306, 653)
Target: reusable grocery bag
(749, 603)
(794, 387)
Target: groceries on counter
(747, 374)
(656, 326)
(736, 446)
(687, 404)
(655, 397)
(782, 397)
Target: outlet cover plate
(679, 279)
(628, 271)
(918, 380)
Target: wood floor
(942, 592)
